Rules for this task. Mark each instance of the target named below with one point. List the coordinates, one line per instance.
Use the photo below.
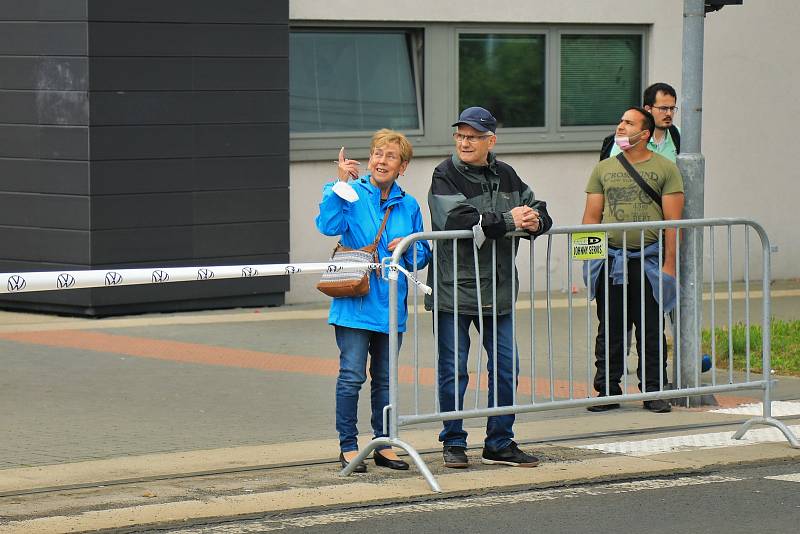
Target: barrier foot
(418, 461)
(769, 421)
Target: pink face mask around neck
(624, 142)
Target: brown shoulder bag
(351, 282)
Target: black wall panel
(43, 10)
(171, 175)
(189, 74)
(146, 133)
(43, 38)
(188, 107)
(187, 209)
(45, 107)
(187, 243)
(44, 176)
(120, 39)
(40, 73)
(237, 11)
(47, 245)
(44, 211)
(43, 142)
(205, 140)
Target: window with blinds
(342, 81)
(601, 76)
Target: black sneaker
(603, 407)
(657, 406)
(455, 456)
(511, 455)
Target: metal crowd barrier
(577, 393)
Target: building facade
(577, 64)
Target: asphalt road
(744, 500)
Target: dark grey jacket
(459, 197)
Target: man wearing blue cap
(472, 189)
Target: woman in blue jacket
(361, 324)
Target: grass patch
(784, 344)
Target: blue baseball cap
(478, 118)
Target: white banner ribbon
(55, 280)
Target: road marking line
(267, 525)
(714, 440)
(788, 478)
(779, 409)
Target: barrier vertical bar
(677, 341)
(569, 315)
(456, 367)
(766, 339)
(513, 319)
(640, 336)
(494, 319)
(416, 333)
(696, 312)
(713, 308)
(533, 321)
(730, 306)
(625, 347)
(589, 354)
(479, 363)
(550, 316)
(661, 355)
(747, 300)
(435, 267)
(394, 355)
(605, 322)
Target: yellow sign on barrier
(589, 246)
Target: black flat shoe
(382, 461)
(360, 468)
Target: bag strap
(676, 137)
(383, 225)
(638, 178)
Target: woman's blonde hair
(386, 136)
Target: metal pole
(692, 166)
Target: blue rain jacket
(593, 268)
(358, 223)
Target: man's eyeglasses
(666, 109)
(469, 138)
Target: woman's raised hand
(348, 168)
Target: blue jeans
(354, 345)
(499, 431)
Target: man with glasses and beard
(660, 100)
(472, 189)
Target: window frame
(604, 31)
(436, 82)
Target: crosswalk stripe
(795, 477)
(779, 409)
(714, 440)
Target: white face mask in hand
(345, 191)
(477, 233)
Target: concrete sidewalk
(126, 422)
(181, 489)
